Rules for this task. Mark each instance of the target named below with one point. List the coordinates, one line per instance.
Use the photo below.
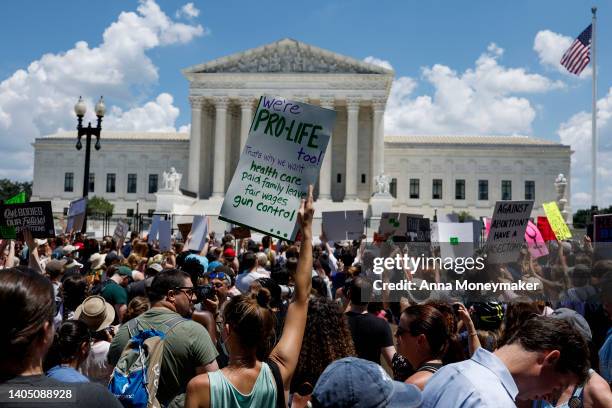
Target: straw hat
(96, 313)
(97, 261)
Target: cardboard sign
(535, 243)
(455, 239)
(507, 230)
(34, 216)
(9, 232)
(199, 231)
(165, 232)
(120, 233)
(396, 225)
(544, 227)
(281, 157)
(184, 230)
(154, 230)
(76, 215)
(556, 221)
(342, 225)
(241, 232)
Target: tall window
(459, 189)
(69, 182)
(110, 182)
(131, 184)
(529, 190)
(152, 183)
(92, 182)
(414, 188)
(483, 190)
(436, 189)
(506, 188)
(393, 187)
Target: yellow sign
(555, 219)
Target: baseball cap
(352, 382)
(124, 271)
(229, 253)
(111, 257)
(575, 320)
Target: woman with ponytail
(258, 373)
(70, 348)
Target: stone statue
(560, 187)
(382, 184)
(172, 180)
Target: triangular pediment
(288, 56)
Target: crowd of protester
(273, 324)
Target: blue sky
(462, 67)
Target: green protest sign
(9, 232)
(281, 157)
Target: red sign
(545, 229)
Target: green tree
(9, 188)
(464, 216)
(583, 217)
(99, 206)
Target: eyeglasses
(187, 290)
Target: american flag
(578, 55)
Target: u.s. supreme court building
(427, 173)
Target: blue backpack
(135, 378)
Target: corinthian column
(352, 107)
(246, 116)
(378, 135)
(220, 140)
(195, 138)
(326, 167)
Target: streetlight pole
(88, 132)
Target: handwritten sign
(507, 230)
(282, 156)
(535, 243)
(121, 230)
(76, 215)
(556, 221)
(34, 216)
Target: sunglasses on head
(217, 275)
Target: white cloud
(39, 100)
(154, 116)
(188, 11)
(576, 132)
(481, 100)
(550, 47)
(376, 61)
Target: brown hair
(251, 318)
(516, 314)
(427, 320)
(29, 297)
(136, 307)
(133, 261)
(140, 248)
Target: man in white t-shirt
(252, 270)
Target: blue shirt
(66, 374)
(605, 358)
(482, 381)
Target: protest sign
(184, 230)
(281, 157)
(544, 227)
(199, 231)
(396, 225)
(477, 226)
(76, 215)
(507, 230)
(120, 232)
(241, 232)
(455, 239)
(9, 232)
(602, 234)
(165, 232)
(154, 230)
(34, 216)
(342, 225)
(556, 221)
(418, 229)
(535, 243)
